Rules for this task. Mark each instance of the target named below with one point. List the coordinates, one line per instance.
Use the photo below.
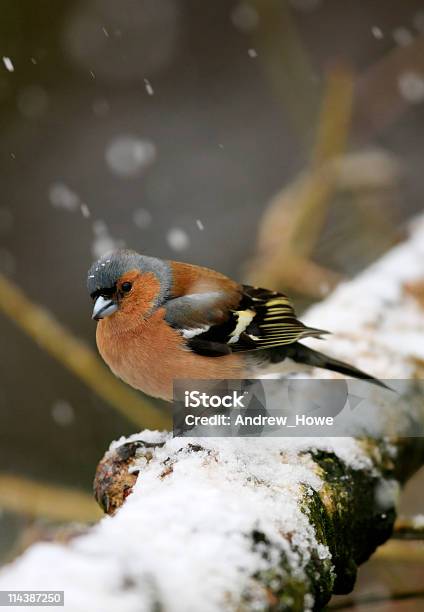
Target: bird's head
(126, 284)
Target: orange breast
(152, 355)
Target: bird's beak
(103, 308)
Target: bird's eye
(126, 287)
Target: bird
(159, 321)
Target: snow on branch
(255, 523)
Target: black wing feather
(263, 319)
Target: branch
(256, 523)
(409, 528)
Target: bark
(257, 524)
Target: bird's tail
(303, 354)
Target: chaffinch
(159, 321)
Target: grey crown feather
(106, 271)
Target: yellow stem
(41, 500)
(74, 354)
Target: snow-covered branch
(256, 523)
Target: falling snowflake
(142, 218)
(129, 156)
(149, 87)
(403, 37)
(178, 239)
(252, 53)
(8, 64)
(377, 32)
(63, 413)
(61, 196)
(200, 225)
(103, 242)
(411, 87)
(244, 17)
(85, 211)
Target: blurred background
(274, 140)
